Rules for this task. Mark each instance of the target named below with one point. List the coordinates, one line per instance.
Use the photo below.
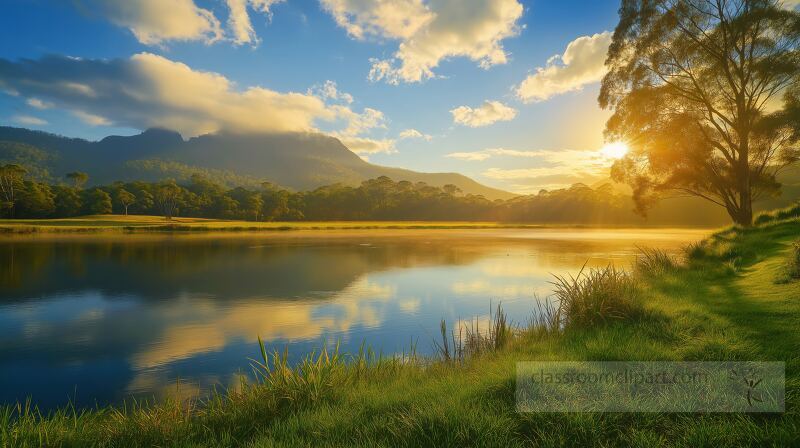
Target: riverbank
(155, 224)
(731, 299)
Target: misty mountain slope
(297, 161)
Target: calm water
(97, 319)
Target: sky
(504, 91)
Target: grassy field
(733, 297)
(138, 223)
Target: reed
(596, 296)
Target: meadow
(733, 296)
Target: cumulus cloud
(330, 91)
(488, 113)
(397, 19)
(429, 32)
(413, 133)
(791, 4)
(239, 18)
(149, 90)
(157, 21)
(29, 120)
(582, 63)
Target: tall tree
(695, 86)
(78, 178)
(125, 198)
(11, 181)
(99, 202)
(167, 197)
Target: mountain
(297, 161)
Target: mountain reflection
(108, 317)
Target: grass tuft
(654, 262)
(472, 340)
(792, 270)
(595, 297)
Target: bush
(599, 296)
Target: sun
(616, 150)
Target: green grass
(136, 223)
(141, 223)
(720, 303)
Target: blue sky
(430, 85)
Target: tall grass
(596, 296)
(470, 340)
(778, 215)
(654, 262)
(792, 270)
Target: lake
(93, 319)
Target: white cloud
(429, 32)
(554, 168)
(152, 91)
(397, 19)
(239, 18)
(29, 120)
(582, 63)
(156, 21)
(91, 119)
(475, 156)
(488, 113)
(488, 153)
(330, 91)
(38, 104)
(413, 133)
(366, 146)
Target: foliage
(31, 158)
(691, 84)
(78, 179)
(98, 202)
(11, 181)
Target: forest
(375, 199)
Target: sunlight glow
(616, 150)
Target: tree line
(375, 199)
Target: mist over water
(95, 320)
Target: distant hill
(296, 161)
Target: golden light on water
(615, 150)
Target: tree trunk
(126, 210)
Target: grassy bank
(118, 223)
(730, 299)
(141, 224)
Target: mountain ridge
(299, 161)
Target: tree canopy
(696, 89)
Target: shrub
(596, 296)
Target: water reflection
(97, 319)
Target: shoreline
(150, 224)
